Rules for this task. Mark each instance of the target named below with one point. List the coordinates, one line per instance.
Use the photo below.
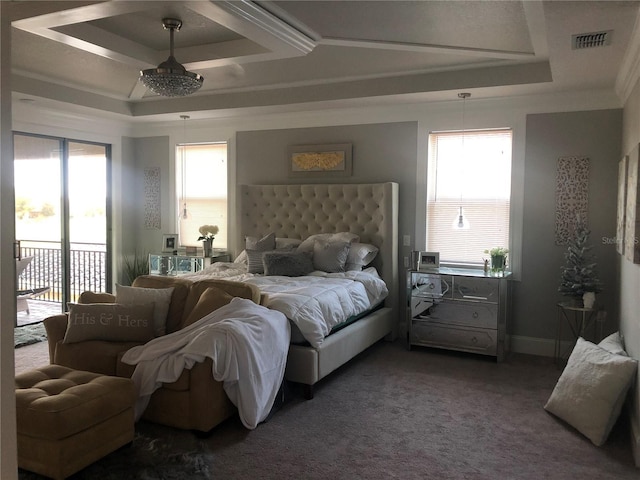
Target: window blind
(472, 170)
(201, 183)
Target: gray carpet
(422, 414)
(29, 334)
(419, 414)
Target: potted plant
(498, 258)
(579, 278)
(135, 265)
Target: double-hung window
(468, 193)
(201, 191)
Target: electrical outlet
(406, 262)
(406, 240)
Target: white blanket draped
(248, 344)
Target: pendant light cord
(184, 215)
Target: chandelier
(170, 79)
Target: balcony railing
(87, 268)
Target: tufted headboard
(297, 211)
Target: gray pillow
(254, 261)
(268, 242)
(290, 264)
(330, 256)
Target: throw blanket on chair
(248, 344)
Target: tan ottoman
(68, 419)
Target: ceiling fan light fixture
(170, 78)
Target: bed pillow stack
(330, 250)
(593, 386)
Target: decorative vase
(588, 299)
(206, 245)
(498, 263)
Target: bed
(369, 211)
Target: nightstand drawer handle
(475, 315)
(474, 340)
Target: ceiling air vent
(591, 40)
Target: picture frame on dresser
(169, 242)
(428, 261)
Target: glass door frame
(65, 238)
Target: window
(201, 189)
(468, 173)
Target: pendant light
(460, 222)
(184, 213)
(171, 79)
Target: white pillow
(160, 297)
(613, 344)
(330, 257)
(242, 258)
(360, 255)
(307, 243)
(591, 390)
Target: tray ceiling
(279, 53)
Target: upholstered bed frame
(297, 211)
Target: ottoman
(68, 419)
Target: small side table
(579, 319)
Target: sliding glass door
(62, 222)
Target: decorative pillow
(330, 256)
(268, 242)
(159, 297)
(360, 255)
(211, 299)
(281, 244)
(591, 390)
(308, 243)
(290, 264)
(242, 257)
(613, 343)
(109, 321)
(287, 243)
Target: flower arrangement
(208, 232)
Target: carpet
(150, 457)
(28, 334)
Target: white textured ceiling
(274, 53)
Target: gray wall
(596, 134)
(381, 153)
(384, 152)
(147, 152)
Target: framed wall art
(169, 242)
(622, 204)
(331, 160)
(632, 215)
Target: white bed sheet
(314, 303)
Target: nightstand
(458, 309)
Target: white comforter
(248, 344)
(315, 303)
